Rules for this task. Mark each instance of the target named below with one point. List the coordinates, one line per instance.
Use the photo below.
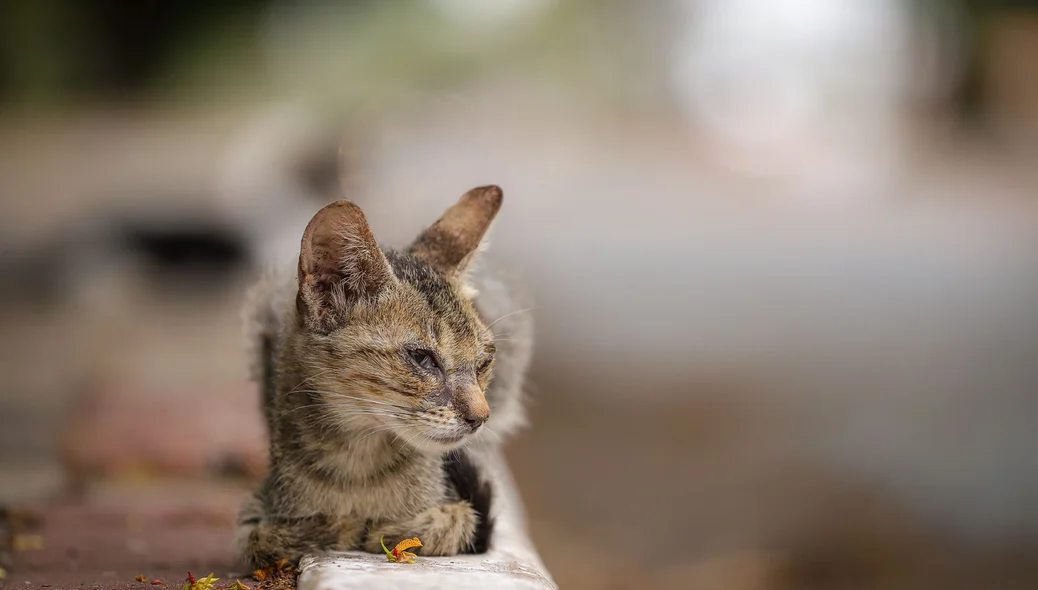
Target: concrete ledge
(370, 571)
(511, 563)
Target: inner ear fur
(339, 264)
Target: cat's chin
(438, 443)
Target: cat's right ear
(339, 264)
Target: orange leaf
(399, 554)
(407, 544)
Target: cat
(377, 369)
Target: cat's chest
(398, 490)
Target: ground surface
(117, 531)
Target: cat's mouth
(440, 442)
(447, 440)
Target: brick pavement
(117, 530)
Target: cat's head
(391, 341)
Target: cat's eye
(424, 359)
(483, 366)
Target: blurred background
(785, 258)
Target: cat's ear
(450, 244)
(339, 264)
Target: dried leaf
(239, 585)
(399, 554)
(275, 579)
(141, 578)
(283, 565)
(3, 573)
(408, 544)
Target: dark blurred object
(1010, 78)
(63, 49)
(985, 23)
(134, 39)
(59, 49)
(176, 253)
(197, 247)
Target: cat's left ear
(340, 265)
(450, 244)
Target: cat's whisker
(310, 378)
(508, 315)
(360, 399)
(372, 431)
(411, 439)
(353, 411)
(351, 414)
(496, 435)
(296, 409)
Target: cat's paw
(449, 529)
(444, 530)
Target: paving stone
(115, 532)
(181, 433)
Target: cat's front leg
(263, 539)
(448, 529)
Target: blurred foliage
(989, 6)
(978, 17)
(348, 53)
(60, 52)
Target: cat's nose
(475, 422)
(471, 406)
